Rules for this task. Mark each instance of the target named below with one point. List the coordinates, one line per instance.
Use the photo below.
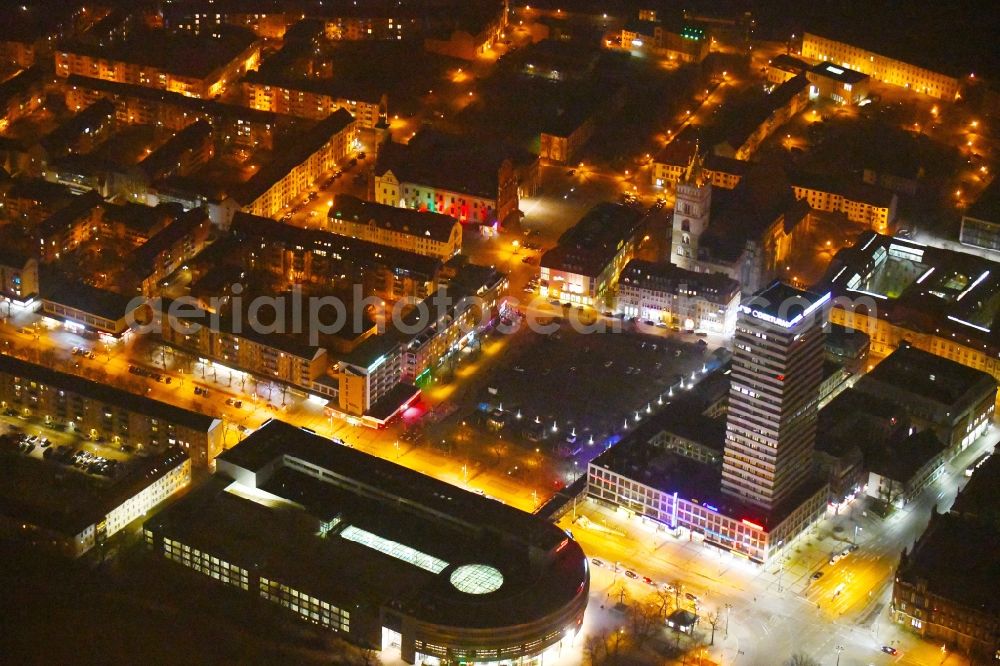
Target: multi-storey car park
(384, 556)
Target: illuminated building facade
(297, 166)
(453, 324)
(100, 411)
(385, 557)
(773, 399)
(954, 401)
(840, 84)
(430, 234)
(21, 95)
(870, 205)
(309, 99)
(663, 292)
(311, 256)
(93, 511)
(880, 67)
(139, 105)
(159, 60)
(472, 188)
(944, 585)
(683, 43)
(759, 121)
(749, 236)
(81, 307)
(666, 471)
(18, 279)
(691, 213)
(274, 356)
(673, 162)
(583, 267)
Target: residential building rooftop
(435, 226)
(588, 246)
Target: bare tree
(644, 620)
(713, 619)
(595, 649)
(664, 596)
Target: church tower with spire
(691, 213)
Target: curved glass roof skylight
(476, 579)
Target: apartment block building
(583, 267)
(663, 292)
(319, 257)
(102, 412)
(18, 279)
(236, 342)
(192, 65)
(312, 99)
(870, 205)
(421, 232)
(299, 164)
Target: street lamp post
(840, 649)
(781, 564)
(729, 607)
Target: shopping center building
(386, 557)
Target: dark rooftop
(542, 568)
(187, 223)
(165, 158)
(40, 190)
(952, 565)
(842, 74)
(588, 246)
(40, 492)
(192, 104)
(927, 375)
(789, 63)
(64, 217)
(783, 301)
(763, 196)
(13, 258)
(901, 460)
(665, 276)
(436, 226)
(81, 296)
(677, 153)
(978, 499)
(459, 171)
(987, 206)
(84, 122)
(179, 52)
(348, 249)
(20, 83)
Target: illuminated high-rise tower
(776, 374)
